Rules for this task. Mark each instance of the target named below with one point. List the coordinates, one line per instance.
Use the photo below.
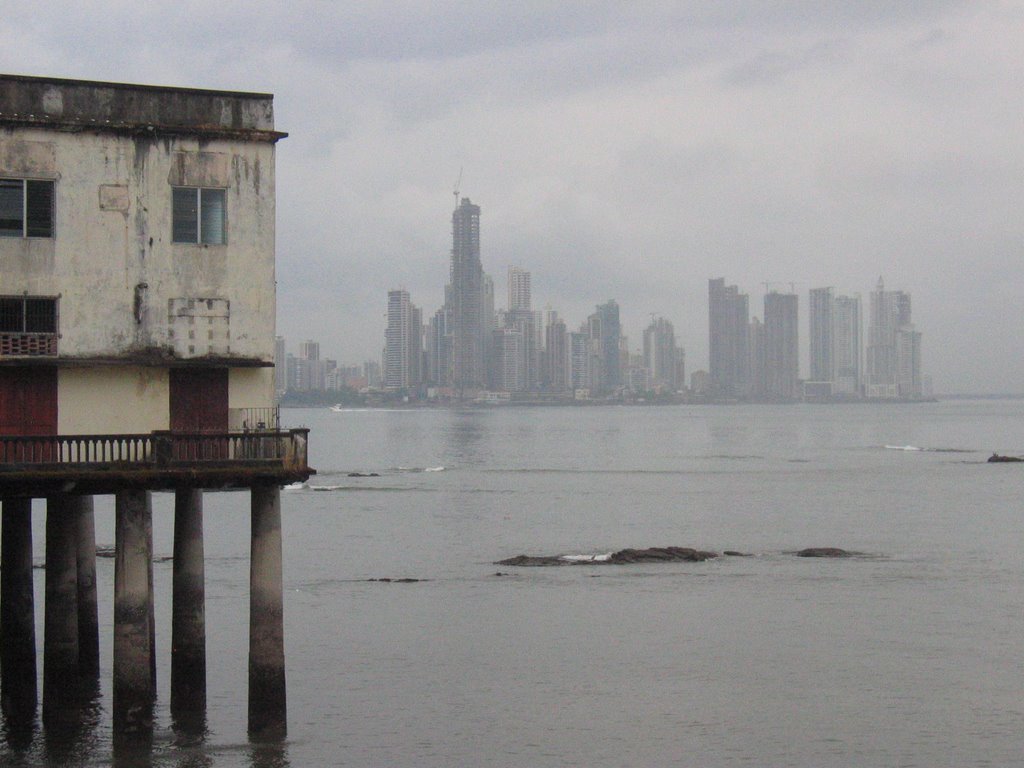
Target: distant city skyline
(470, 346)
(619, 152)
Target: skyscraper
(821, 330)
(660, 353)
(847, 345)
(781, 346)
(468, 323)
(518, 288)
(604, 331)
(755, 342)
(728, 314)
(403, 347)
(556, 371)
(894, 347)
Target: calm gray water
(911, 657)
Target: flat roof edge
(133, 86)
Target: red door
(199, 403)
(28, 406)
(199, 400)
(28, 401)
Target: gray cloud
(618, 151)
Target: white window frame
(200, 236)
(52, 214)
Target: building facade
(893, 367)
(728, 319)
(781, 346)
(659, 355)
(136, 257)
(403, 343)
(468, 319)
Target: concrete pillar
(267, 701)
(88, 616)
(134, 691)
(188, 620)
(60, 627)
(18, 693)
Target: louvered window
(26, 208)
(199, 215)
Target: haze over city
(614, 153)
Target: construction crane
(458, 183)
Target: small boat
(337, 408)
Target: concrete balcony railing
(157, 460)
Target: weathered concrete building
(137, 313)
(136, 256)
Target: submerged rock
(995, 458)
(825, 552)
(660, 554)
(534, 560)
(622, 557)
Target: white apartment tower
(403, 347)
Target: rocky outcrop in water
(825, 552)
(622, 557)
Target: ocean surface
(910, 655)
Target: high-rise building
(438, 348)
(604, 331)
(847, 345)
(403, 346)
(508, 372)
(524, 322)
(835, 342)
(556, 370)
(660, 354)
(781, 346)
(728, 313)
(467, 316)
(821, 325)
(894, 347)
(579, 359)
(518, 288)
(755, 345)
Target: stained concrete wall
(136, 399)
(123, 284)
(112, 399)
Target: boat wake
(928, 450)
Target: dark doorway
(199, 400)
(28, 401)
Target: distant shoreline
(427, 405)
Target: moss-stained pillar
(18, 692)
(134, 690)
(60, 627)
(88, 617)
(267, 704)
(188, 621)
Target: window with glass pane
(26, 208)
(211, 228)
(28, 314)
(12, 207)
(198, 216)
(185, 216)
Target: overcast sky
(617, 150)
